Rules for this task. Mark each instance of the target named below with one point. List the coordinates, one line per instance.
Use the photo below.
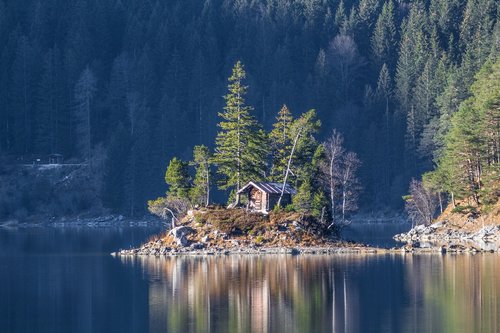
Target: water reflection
(392, 293)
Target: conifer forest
(124, 86)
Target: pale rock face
(179, 234)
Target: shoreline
(156, 249)
(106, 221)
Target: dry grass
(470, 217)
(231, 221)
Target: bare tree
(421, 204)
(345, 60)
(349, 184)
(333, 152)
(339, 179)
(164, 207)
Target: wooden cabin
(55, 159)
(263, 196)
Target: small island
(287, 192)
(220, 231)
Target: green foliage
(200, 192)
(177, 177)
(303, 199)
(281, 144)
(241, 149)
(303, 130)
(318, 205)
(384, 34)
(468, 166)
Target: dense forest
(126, 85)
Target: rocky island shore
(222, 231)
(454, 231)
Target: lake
(64, 280)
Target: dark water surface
(64, 280)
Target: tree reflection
(347, 293)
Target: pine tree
(240, 153)
(85, 91)
(470, 157)
(280, 143)
(48, 124)
(384, 35)
(24, 77)
(200, 192)
(115, 170)
(177, 177)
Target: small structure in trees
(55, 159)
(263, 196)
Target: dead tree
(333, 152)
(349, 184)
(421, 203)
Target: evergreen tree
(200, 192)
(384, 35)
(115, 170)
(48, 124)
(85, 90)
(471, 150)
(240, 153)
(280, 139)
(177, 177)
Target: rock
(205, 239)
(235, 242)
(181, 231)
(182, 241)
(282, 228)
(198, 246)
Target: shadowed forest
(126, 85)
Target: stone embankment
(448, 238)
(158, 248)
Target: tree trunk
(208, 187)
(440, 203)
(332, 189)
(288, 166)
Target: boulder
(182, 241)
(198, 246)
(181, 231)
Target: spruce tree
(384, 35)
(281, 143)
(177, 177)
(240, 152)
(200, 192)
(85, 91)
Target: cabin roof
(268, 187)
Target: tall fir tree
(383, 39)
(240, 152)
(85, 91)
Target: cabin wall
(265, 201)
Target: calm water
(63, 280)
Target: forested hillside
(141, 81)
